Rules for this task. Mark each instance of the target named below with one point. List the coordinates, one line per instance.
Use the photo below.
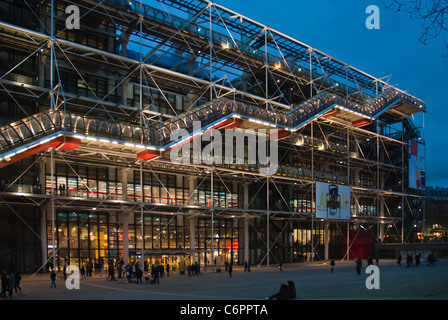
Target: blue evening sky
(338, 29)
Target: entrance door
(176, 262)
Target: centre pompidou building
(91, 93)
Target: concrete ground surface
(313, 281)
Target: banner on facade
(417, 165)
(332, 201)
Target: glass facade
(106, 183)
(82, 237)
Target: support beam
(125, 222)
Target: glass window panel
(180, 238)
(72, 187)
(172, 238)
(155, 195)
(66, 122)
(93, 233)
(172, 195)
(201, 198)
(115, 131)
(164, 238)
(62, 235)
(127, 133)
(11, 135)
(148, 237)
(61, 185)
(113, 237)
(55, 117)
(45, 121)
(91, 126)
(131, 192)
(120, 239)
(3, 142)
(82, 187)
(49, 185)
(147, 191)
(23, 131)
(73, 230)
(103, 129)
(119, 190)
(83, 236)
(102, 238)
(138, 192)
(163, 195)
(78, 124)
(179, 196)
(93, 188)
(74, 254)
(138, 135)
(102, 189)
(33, 125)
(112, 193)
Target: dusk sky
(338, 29)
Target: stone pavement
(313, 281)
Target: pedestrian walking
(358, 266)
(410, 261)
(133, 271)
(64, 272)
(5, 285)
(332, 264)
(399, 260)
(53, 278)
(431, 260)
(128, 273)
(18, 278)
(156, 274)
(119, 270)
(189, 270)
(230, 270)
(139, 274)
(11, 283)
(89, 269)
(111, 275)
(417, 259)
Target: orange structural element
(67, 143)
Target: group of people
(10, 283)
(358, 262)
(131, 271)
(62, 190)
(194, 269)
(431, 260)
(286, 291)
(134, 272)
(158, 272)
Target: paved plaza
(313, 281)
